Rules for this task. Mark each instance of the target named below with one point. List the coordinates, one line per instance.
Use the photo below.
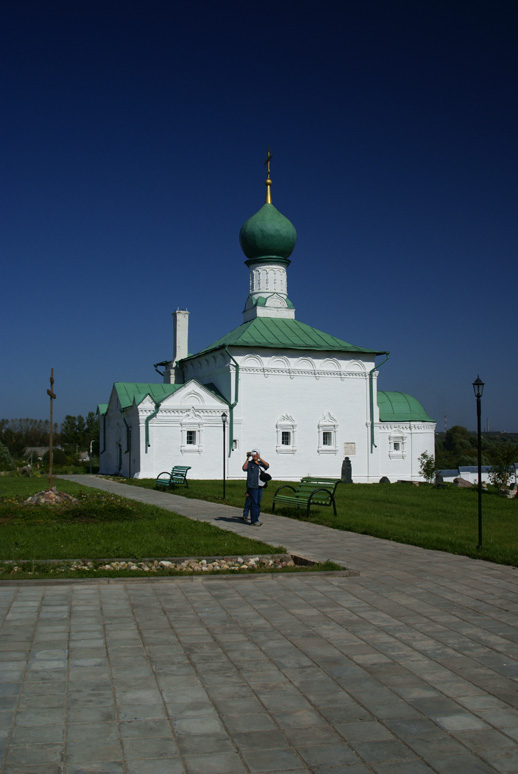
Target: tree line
(458, 446)
(73, 435)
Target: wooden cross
(52, 397)
(269, 157)
(51, 391)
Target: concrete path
(410, 667)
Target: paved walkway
(410, 667)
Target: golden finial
(268, 182)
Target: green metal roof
(102, 408)
(400, 407)
(272, 333)
(127, 392)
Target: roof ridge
(274, 333)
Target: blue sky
(133, 143)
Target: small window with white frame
(327, 434)
(191, 433)
(286, 435)
(397, 443)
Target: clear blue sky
(133, 140)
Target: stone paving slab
(410, 667)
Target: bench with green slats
(309, 491)
(178, 475)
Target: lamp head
(478, 387)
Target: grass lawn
(443, 519)
(104, 526)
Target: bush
(502, 459)
(58, 458)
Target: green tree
(77, 432)
(59, 457)
(427, 467)
(502, 458)
(92, 428)
(457, 440)
(6, 461)
(69, 432)
(81, 433)
(17, 434)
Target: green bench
(178, 475)
(310, 491)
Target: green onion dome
(267, 234)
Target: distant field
(443, 519)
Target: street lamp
(478, 389)
(224, 418)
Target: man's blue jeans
(253, 503)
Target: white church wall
(185, 437)
(423, 440)
(214, 368)
(131, 458)
(305, 412)
(400, 444)
(187, 430)
(302, 397)
(108, 460)
(121, 456)
(280, 395)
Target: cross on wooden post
(52, 397)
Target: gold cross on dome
(269, 157)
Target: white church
(306, 399)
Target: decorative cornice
(292, 372)
(409, 426)
(181, 413)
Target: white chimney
(172, 375)
(180, 334)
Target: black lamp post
(224, 418)
(478, 389)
